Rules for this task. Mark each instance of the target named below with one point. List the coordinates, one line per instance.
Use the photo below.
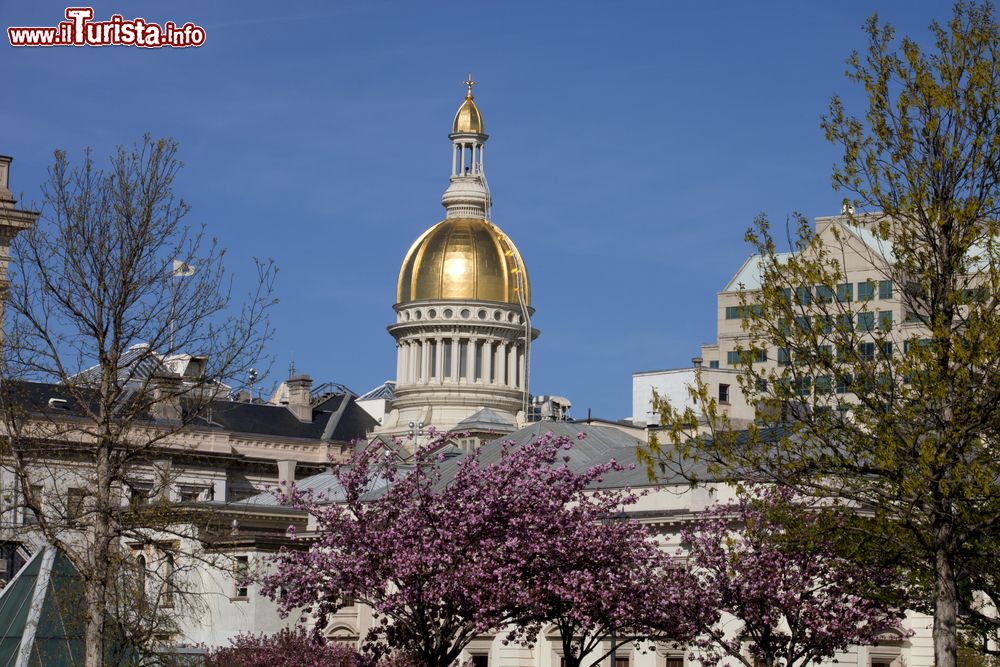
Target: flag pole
(173, 306)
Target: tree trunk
(96, 585)
(945, 611)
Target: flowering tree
(449, 551)
(796, 600)
(288, 648)
(612, 584)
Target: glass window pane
(866, 290)
(885, 320)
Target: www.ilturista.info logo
(80, 30)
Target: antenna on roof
(291, 368)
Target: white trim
(35, 611)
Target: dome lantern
(468, 118)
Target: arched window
(169, 567)
(141, 573)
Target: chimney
(12, 221)
(299, 398)
(286, 475)
(166, 404)
(5, 194)
(697, 361)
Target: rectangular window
(675, 661)
(824, 323)
(887, 349)
(975, 295)
(824, 384)
(784, 356)
(434, 358)
(825, 352)
(823, 294)
(477, 365)
(480, 661)
(714, 363)
(911, 317)
(866, 290)
(885, 289)
(885, 320)
(844, 384)
(761, 385)
(463, 359)
(867, 351)
(786, 293)
(866, 321)
(37, 496)
(139, 495)
(802, 322)
(723, 393)
(241, 571)
(736, 357)
(802, 386)
(803, 295)
(845, 322)
(845, 292)
(74, 503)
(621, 662)
(743, 312)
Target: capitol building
(462, 332)
(463, 309)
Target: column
(454, 158)
(487, 361)
(414, 362)
(482, 158)
(521, 363)
(463, 159)
(501, 363)
(425, 361)
(470, 360)
(440, 360)
(400, 359)
(407, 363)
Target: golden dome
(463, 259)
(468, 119)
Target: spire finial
(470, 83)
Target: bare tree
(123, 330)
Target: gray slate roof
(485, 420)
(337, 418)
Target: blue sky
(632, 143)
